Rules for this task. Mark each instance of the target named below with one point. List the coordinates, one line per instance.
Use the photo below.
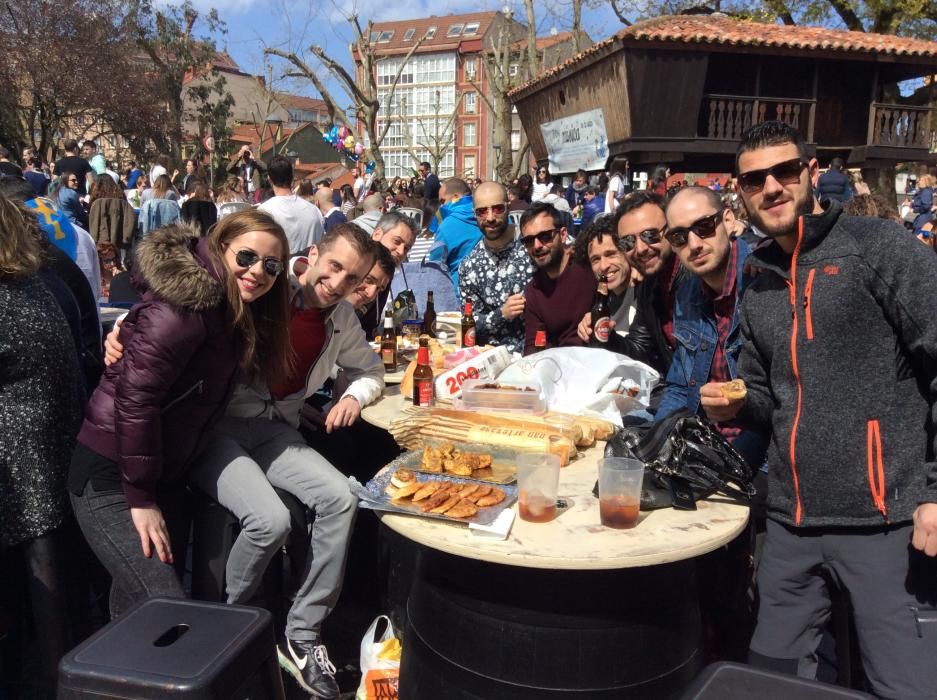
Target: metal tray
(373, 497)
(503, 461)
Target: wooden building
(681, 90)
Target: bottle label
(540, 341)
(602, 329)
(389, 357)
(468, 338)
(423, 393)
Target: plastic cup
(620, 480)
(538, 478)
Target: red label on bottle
(468, 340)
(540, 341)
(602, 329)
(423, 393)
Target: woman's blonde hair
(20, 251)
(926, 180)
(263, 325)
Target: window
(470, 29)
(470, 66)
(409, 34)
(431, 32)
(470, 103)
(374, 36)
(454, 30)
(385, 37)
(512, 69)
(468, 134)
(515, 140)
(468, 165)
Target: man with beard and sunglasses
(656, 275)
(561, 290)
(840, 359)
(496, 272)
(706, 310)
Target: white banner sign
(576, 142)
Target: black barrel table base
(483, 631)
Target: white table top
(576, 539)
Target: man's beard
(802, 207)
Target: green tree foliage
(169, 36)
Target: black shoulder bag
(685, 459)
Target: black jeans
(104, 518)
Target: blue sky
(296, 24)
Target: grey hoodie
(840, 356)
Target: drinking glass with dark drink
(620, 480)
(538, 478)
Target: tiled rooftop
(725, 31)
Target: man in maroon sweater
(561, 291)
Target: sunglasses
(496, 209)
(786, 173)
(544, 237)
(248, 258)
(703, 228)
(648, 235)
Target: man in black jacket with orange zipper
(840, 358)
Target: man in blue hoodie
(458, 232)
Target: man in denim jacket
(706, 313)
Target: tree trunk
(882, 181)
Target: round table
(489, 618)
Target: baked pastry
(493, 498)
(402, 477)
(734, 390)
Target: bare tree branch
(305, 71)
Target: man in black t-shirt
(72, 162)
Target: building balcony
(901, 126)
(726, 117)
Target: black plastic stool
(731, 681)
(177, 648)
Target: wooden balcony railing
(727, 116)
(900, 126)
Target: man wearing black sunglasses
(561, 290)
(656, 274)
(840, 331)
(496, 272)
(706, 313)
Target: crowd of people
(245, 313)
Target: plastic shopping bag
(380, 662)
(586, 381)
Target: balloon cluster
(343, 141)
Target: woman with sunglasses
(542, 184)
(211, 309)
(66, 195)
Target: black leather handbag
(685, 459)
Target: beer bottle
(601, 316)
(389, 343)
(429, 316)
(423, 377)
(540, 340)
(468, 325)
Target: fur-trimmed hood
(172, 265)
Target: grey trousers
(893, 590)
(243, 461)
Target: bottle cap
(422, 356)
